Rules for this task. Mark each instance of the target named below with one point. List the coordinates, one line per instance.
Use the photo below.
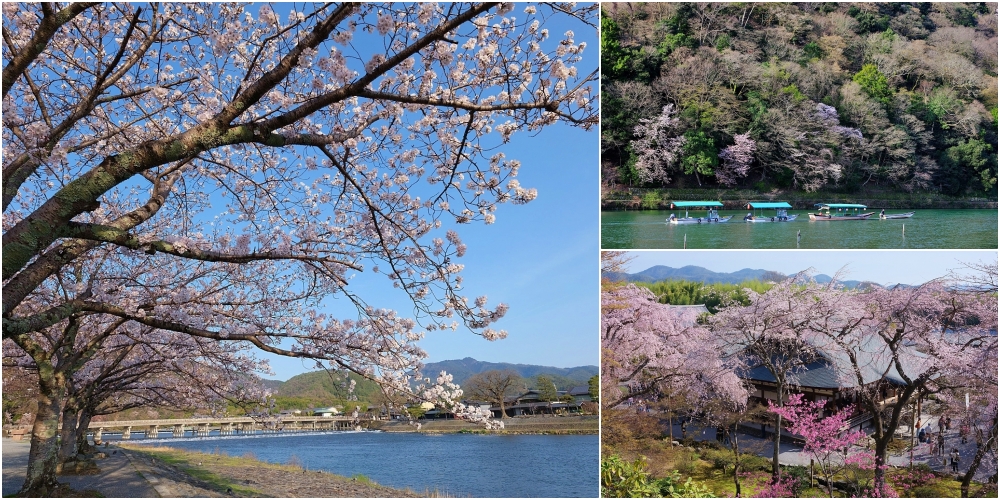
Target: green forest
(837, 97)
(687, 293)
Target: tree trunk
(736, 463)
(775, 467)
(67, 435)
(881, 447)
(983, 445)
(82, 445)
(40, 479)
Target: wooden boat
(780, 212)
(711, 217)
(843, 212)
(885, 216)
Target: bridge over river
(202, 427)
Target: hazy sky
(540, 258)
(911, 267)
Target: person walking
(940, 443)
(955, 457)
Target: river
(955, 229)
(457, 465)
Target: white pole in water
(798, 237)
(904, 230)
(685, 240)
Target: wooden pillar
(179, 430)
(127, 433)
(153, 432)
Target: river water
(955, 229)
(457, 465)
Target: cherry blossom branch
(50, 24)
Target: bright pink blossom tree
(827, 440)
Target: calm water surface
(458, 465)
(927, 229)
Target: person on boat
(672, 217)
(882, 214)
(748, 217)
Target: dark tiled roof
(834, 368)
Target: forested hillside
(807, 96)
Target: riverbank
(539, 424)
(131, 471)
(216, 474)
(733, 199)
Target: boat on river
(758, 215)
(840, 211)
(885, 216)
(711, 217)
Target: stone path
(792, 454)
(118, 478)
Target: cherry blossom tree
(914, 335)
(970, 382)
(826, 441)
(657, 146)
(218, 170)
(771, 333)
(650, 349)
(736, 159)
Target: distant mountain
(321, 388)
(270, 384)
(700, 274)
(462, 369)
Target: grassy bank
(660, 198)
(531, 425)
(245, 476)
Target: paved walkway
(118, 478)
(792, 454)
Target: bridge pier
(127, 433)
(153, 432)
(97, 436)
(202, 430)
(226, 429)
(179, 431)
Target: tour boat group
(710, 217)
(761, 211)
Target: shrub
(623, 479)
(672, 487)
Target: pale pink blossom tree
(657, 146)
(902, 339)
(736, 159)
(651, 349)
(772, 333)
(287, 153)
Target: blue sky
(910, 267)
(541, 258)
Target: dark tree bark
(40, 479)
